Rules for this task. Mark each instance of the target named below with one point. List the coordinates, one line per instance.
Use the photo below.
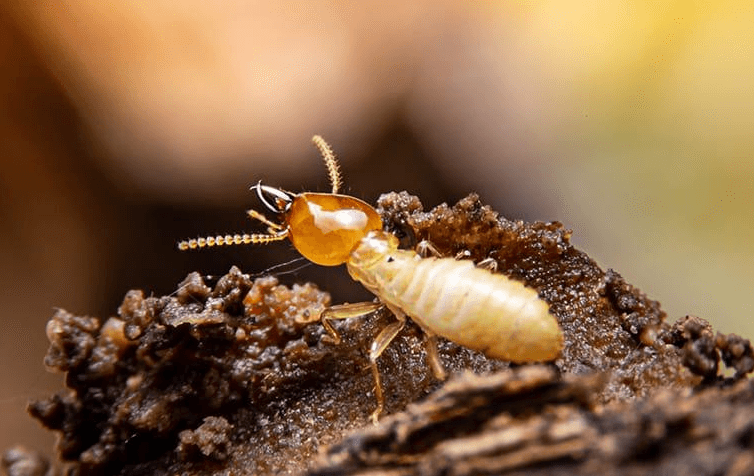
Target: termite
(467, 304)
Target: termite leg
(346, 311)
(463, 254)
(490, 264)
(381, 342)
(433, 358)
(426, 249)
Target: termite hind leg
(490, 264)
(346, 311)
(425, 249)
(433, 357)
(464, 254)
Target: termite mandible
(447, 297)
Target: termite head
(324, 227)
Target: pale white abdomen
(467, 305)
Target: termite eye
(325, 228)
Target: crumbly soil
(239, 377)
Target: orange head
(324, 227)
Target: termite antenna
(333, 169)
(228, 240)
(279, 201)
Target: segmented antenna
(277, 232)
(333, 169)
(227, 240)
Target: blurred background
(127, 126)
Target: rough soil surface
(240, 377)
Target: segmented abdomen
(471, 306)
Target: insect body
(444, 296)
(456, 300)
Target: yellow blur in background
(128, 126)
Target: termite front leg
(346, 311)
